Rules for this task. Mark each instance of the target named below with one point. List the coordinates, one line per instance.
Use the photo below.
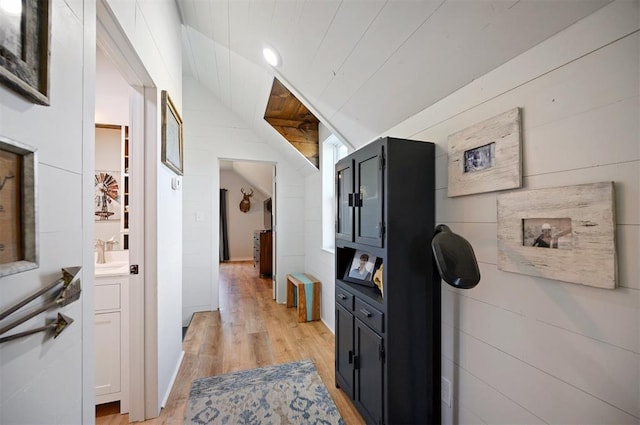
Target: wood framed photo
(172, 148)
(18, 213)
(362, 268)
(486, 157)
(563, 233)
(24, 48)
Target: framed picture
(362, 268)
(107, 199)
(24, 48)
(564, 233)
(18, 213)
(486, 157)
(172, 152)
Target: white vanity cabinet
(112, 339)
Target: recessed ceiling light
(271, 56)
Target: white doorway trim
(111, 38)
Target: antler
(245, 193)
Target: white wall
(154, 30)
(241, 225)
(57, 376)
(41, 379)
(213, 132)
(521, 349)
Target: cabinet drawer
(107, 297)
(344, 298)
(369, 315)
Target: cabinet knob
(342, 296)
(366, 312)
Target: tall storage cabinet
(388, 343)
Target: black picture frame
(172, 144)
(24, 50)
(371, 265)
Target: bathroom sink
(112, 268)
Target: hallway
(250, 330)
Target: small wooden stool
(303, 290)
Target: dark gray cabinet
(359, 194)
(388, 346)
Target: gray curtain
(224, 239)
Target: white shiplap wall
(154, 30)
(41, 380)
(213, 132)
(520, 349)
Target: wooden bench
(303, 291)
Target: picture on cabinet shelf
(362, 268)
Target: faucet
(110, 243)
(100, 246)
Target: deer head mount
(245, 204)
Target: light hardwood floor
(250, 330)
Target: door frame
(143, 360)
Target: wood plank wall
(520, 349)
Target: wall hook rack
(58, 325)
(69, 293)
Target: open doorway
(247, 215)
(126, 100)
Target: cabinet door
(107, 337)
(369, 163)
(344, 199)
(369, 373)
(344, 350)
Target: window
(332, 151)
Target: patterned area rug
(290, 393)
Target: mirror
(111, 186)
(455, 258)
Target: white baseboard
(173, 381)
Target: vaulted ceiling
(361, 66)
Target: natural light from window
(332, 151)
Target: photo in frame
(24, 48)
(564, 233)
(18, 213)
(486, 156)
(172, 144)
(362, 268)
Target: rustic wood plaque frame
(501, 135)
(25, 239)
(590, 257)
(27, 71)
(172, 146)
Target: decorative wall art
(107, 196)
(486, 157)
(172, 152)
(18, 218)
(563, 233)
(24, 48)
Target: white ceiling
(362, 66)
